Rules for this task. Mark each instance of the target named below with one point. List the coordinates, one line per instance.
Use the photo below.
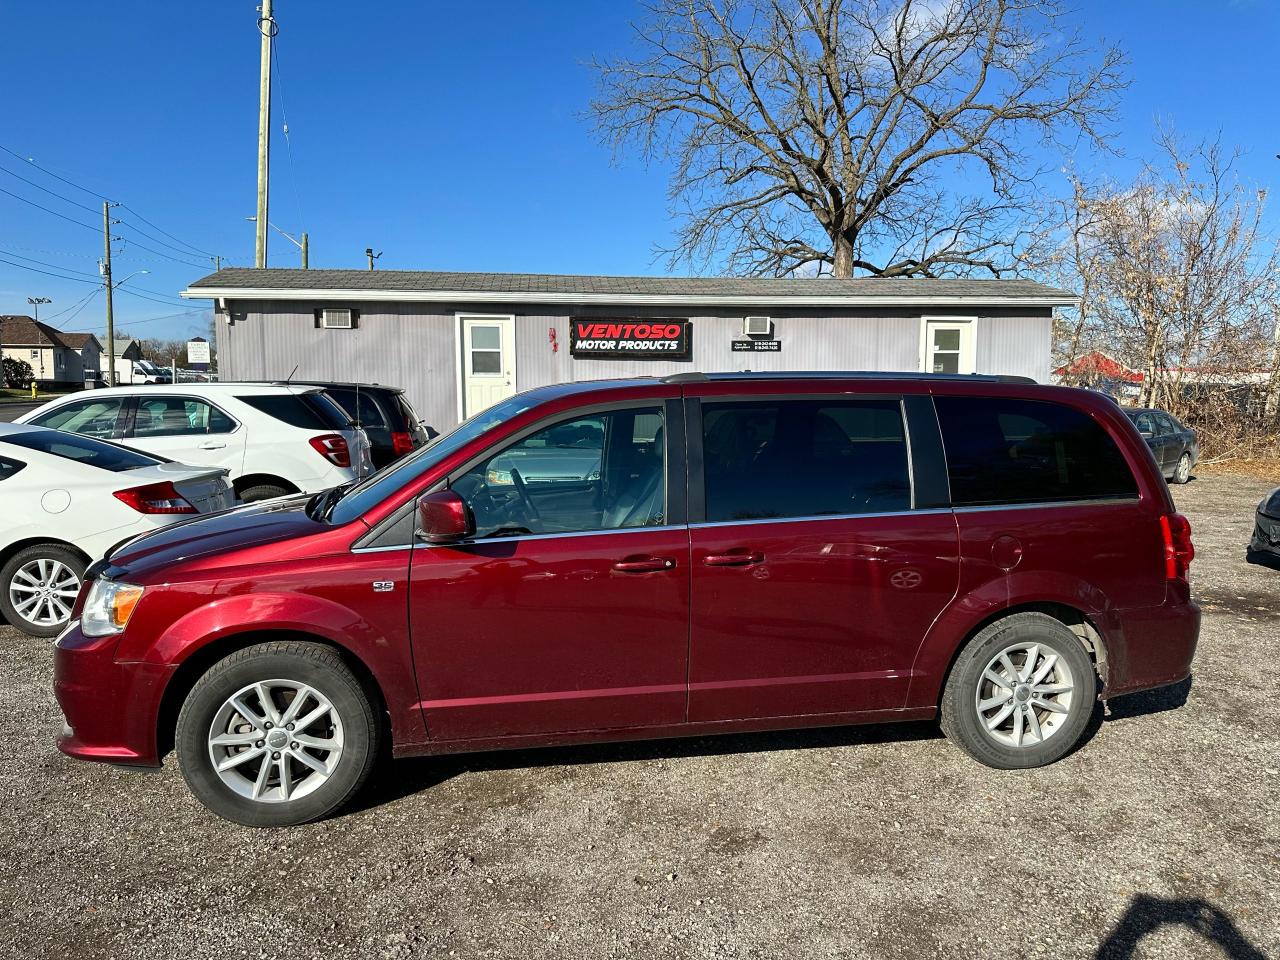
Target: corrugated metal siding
(1016, 345)
(413, 346)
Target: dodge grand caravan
(649, 558)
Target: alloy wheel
(275, 741)
(43, 591)
(1024, 695)
(1184, 469)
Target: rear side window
(362, 407)
(159, 416)
(309, 411)
(804, 458)
(1028, 451)
(71, 446)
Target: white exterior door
(948, 346)
(488, 347)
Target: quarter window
(804, 458)
(1028, 451)
(601, 472)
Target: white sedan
(65, 500)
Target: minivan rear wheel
(277, 734)
(1021, 693)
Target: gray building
(458, 342)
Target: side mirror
(444, 517)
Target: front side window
(600, 472)
(89, 418)
(178, 416)
(1166, 425)
(776, 459)
(1028, 451)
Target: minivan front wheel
(1020, 693)
(277, 734)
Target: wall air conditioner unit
(332, 319)
(757, 326)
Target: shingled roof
(423, 285)
(20, 331)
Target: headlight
(1271, 505)
(108, 607)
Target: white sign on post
(197, 351)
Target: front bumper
(1266, 535)
(111, 709)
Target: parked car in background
(1173, 445)
(67, 500)
(1264, 545)
(385, 416)
(751, 552)
(273, 439)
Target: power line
(79, 223)
(89, 295)
(23, 266)
(55, 266)
(288, 143)
(82, 304)
(52, 193)
(92, 193)
(159, 253)
(134, 291)
(192, 247)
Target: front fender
(973, 607)
(209, 617)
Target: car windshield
(87, 450)
(378, 486)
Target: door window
(178, 416)
(89, 418)
(486, 349)
(1146, 424)
(602, 472)
(1166, 425)
(1028, 451)
(804, 458)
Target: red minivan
(649, 558)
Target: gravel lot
(1160, 838)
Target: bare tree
(1177, 270)
(832, 134)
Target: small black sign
(757, 346)
(656, 339)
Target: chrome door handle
(211, 445)
(644, 565)
(737, 558)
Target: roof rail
(693, 377)
(846, 375)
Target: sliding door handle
(644, 564)
(735, 558)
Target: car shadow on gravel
(395, 780)
(1147, 702)
(1147, 914)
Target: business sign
(197, 351)
(657, 339)
(757, 346)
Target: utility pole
(217, 263)
(267, 28)
(305, 252)
(106, 278)
(368, 252)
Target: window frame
(123, 414)
(968, 351)
(396, 532)
(920, 434)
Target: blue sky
(445, 135)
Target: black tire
(313, 664)
(960, 719)
(41, 551)
(263, 491)
(1181, 474)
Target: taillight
(402, 443)
(155, 498)
(333, 448)
(1175, 529)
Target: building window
(948, 346)
(486, 349)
